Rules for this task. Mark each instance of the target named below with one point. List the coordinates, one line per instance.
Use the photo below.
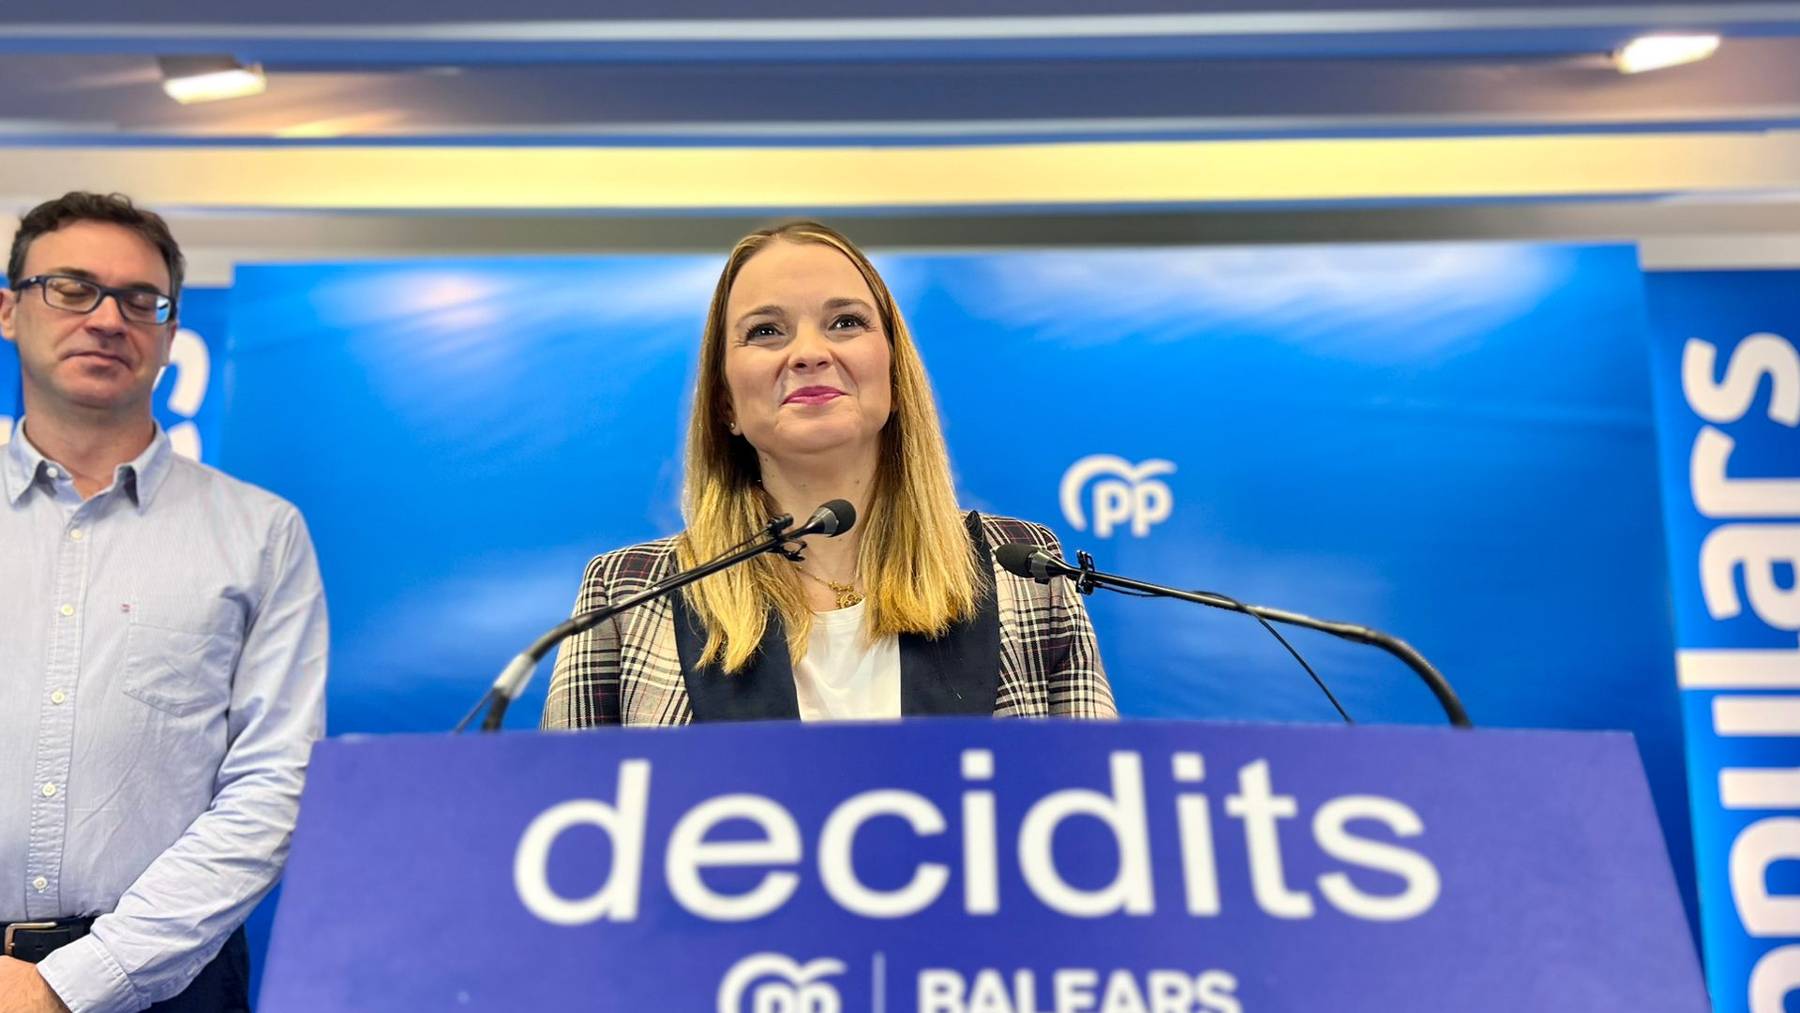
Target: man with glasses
(162, 646)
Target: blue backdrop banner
(188, 402)
(1728, 406)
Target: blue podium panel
(1029, 867)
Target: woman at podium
(811, 389)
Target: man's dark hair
(80, 206)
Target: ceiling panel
(871, 85)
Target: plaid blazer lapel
(958, 673)
(763, 690)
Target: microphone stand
(775, 538)
(1087, 579)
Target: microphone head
(1031, 562)
(833, 518)
(1015, 558)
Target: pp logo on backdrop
(775, 983)
(1124, 493)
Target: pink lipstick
(812, 395)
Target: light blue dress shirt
(162, 681)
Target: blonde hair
(915, 557)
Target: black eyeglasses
(79, 295)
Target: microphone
(831, 519)
(1033, 563)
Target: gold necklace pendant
(847, 596)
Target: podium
(956, 865)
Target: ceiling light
(1654, 52)
(190, 79)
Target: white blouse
(844, 677)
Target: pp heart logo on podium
(773, 983)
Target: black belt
(33, 941)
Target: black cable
(1027, 561)
(1273, 632)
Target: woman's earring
(732, 427)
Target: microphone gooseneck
(1033, 563)
(830, 519)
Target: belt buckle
(27, 926)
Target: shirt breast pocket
(180, 653)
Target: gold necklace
(846, 593)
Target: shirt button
(77, 535)
(58, 697)
(40, 884)
(67, 610)
(49, 791)
(53, 472)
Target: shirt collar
(144, 474)
(139, 478)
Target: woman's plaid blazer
(1029, 651)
